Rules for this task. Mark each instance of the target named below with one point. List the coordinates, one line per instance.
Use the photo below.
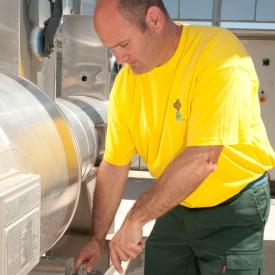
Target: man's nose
(120, 55)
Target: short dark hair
(135, 10)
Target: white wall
(260, 49)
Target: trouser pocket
(244, 264)
(261, 196)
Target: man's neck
(171, 39)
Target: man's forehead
(110, 17)
(113, 39)
(115, 31)
(106, 5)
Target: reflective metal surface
(9, 34)
(86, 63)
(85, 134)
(18, 21)
(33, 128)
(59, 266)
(41, 71)
(88, 118)
(12, 159)
(97, 112)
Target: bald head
(139, 32)
(134, 11)
(108, 19)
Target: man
(186, 101)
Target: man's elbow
(211, 167)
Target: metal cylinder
(96, 110)
(88, 119)
(85, 134)
(37, 138)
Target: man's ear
(155, 18)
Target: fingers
(91, 264)
(138, 248)
(87, 264)
(79, 259)
(116, 261)
(88, 256)
(122, 255)
(131, 252)
(87, 261)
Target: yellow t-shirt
(206, 94)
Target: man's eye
(124, 45)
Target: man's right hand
(89, 255)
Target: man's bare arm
(110, 184)
(182, 176)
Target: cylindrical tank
(88, 119)
(36, 136)
(96, 110)
(85, 133)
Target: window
(265, 10)
(238, 10)
(172, 7)
(196, 9)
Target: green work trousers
(226, 239)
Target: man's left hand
(127, 244)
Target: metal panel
(86, 69)
(41, 71)
(9, 34)
(18, 21)
(20, 197)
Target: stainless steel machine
(53, 116)
(55, 79)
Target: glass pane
(254, 26)
(196, 9)
(172, 7)
(199, 23)
(265, 10)
(238, 10)
(87, 7)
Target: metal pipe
(38, 139)
(84, 132)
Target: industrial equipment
(50, 141)
(55, 80)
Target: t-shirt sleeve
(119, 147)
(221, 111)
(223, 95)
